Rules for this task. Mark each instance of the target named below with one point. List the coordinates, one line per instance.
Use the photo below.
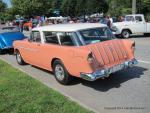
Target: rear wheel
(19, 58)
(61, 74)
(125, 34)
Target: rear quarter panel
(129, 48)
(74, 58)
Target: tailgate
(109, 53)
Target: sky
(8, 2)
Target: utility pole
(133, 6)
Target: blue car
(8, 35)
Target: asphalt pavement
(126, 91)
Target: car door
(140, 25)
(34, 48)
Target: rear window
(96, 35)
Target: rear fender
(130, 47)
(78, 62)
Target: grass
(19, 93)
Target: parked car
(133, 24)
(86, 50)
(8, 34)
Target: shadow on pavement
(8, 51)
(136, 36)
(115, 80)
(140, 36)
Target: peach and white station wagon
(86, 50)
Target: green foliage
(56, 4)
(6, 15)
(20, 93)
(145, 8)
(72, 8)
(119, 7)
(123, 7)
(2, 6)
(3, 12)
(81, 7)
(68, 7)
(29, 8)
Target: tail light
(90, 58)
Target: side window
(66, 39)
(129, 18)
(35, 36)
(138, 18)
(51, 37)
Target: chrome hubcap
(59, 72)
(126, 34)
(18, 57)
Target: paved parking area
(124, 92)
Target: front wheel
(19, 58)
(125, 34)
(61, 74)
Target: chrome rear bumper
(106, 72)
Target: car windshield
(96, 35)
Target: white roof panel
(69, 27)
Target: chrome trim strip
(100, 55)
(122, 56)
(116, 51)
(106, 54)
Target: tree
(145, 8)
(2, 10)
(56, 4)
(81, 10)
(68, 7)
(82, 7)
(30, 8)
(2, 6)
(97, 6)
(119, 7)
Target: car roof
(68, 27)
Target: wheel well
(15, 51)
(53, 60)
(128, 30)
